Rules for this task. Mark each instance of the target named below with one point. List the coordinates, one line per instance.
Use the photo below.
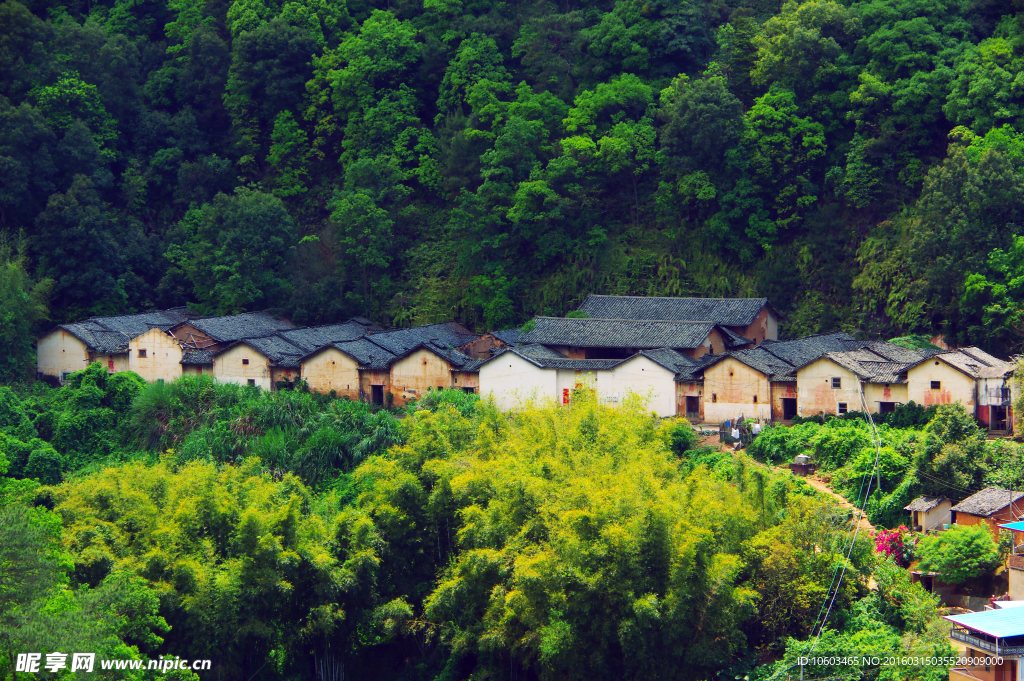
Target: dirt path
(820, 485)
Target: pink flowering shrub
(893, 544)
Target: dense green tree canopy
(665, 147)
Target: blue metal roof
(1016, 527)
(1002, 623)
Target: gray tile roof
(310, 338)
(803, 350)
(196, 357)
(111, 334)
(279, 351)
(987, 501)
(367, 353)
(510, 336)
(675, 362)
(399, 341)
(768, 364)
(231, 328)
(546, 358)
(725, 311)
(618, 333)
(922, 504)
(972, 361)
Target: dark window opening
(755, 399)
(936, 385)
(252, 381)
(837, 383)
(714, 397)
(469, 390)
(245, 361)
(788, 408)
(377, 394)
(142, 353)
(842, 407)
(886, 407)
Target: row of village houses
(708, 359)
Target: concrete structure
(995, 397)
(994, 642)
(929, 513)
(751, 318)
(991, 507)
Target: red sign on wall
(565, 396)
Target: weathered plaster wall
(510, 379)
(228, 367)
(114, 363)
(466, 379)
(939, 515)
(732, 389)
(644, 377)
(60, 351)
(815, 393)
(782, 390)
(163, 356)
(413, 375)
(764, 327)
(330, 370)
(714, 343)
(371, 377)
(955, 386)
(282, 374)
(884, 392)
(690, 389)
(196, 369)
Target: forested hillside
(859, 163)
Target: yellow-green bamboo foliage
(241, 562)
(577, 546)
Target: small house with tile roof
(357, 368)
(753, 318)
(929, 513)
(71, 347)
(991, 507)
(262, 362)
(582, 338)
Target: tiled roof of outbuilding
(725, 311)
(510, 336)
(200, 357)
(236, 327)
(618, 333)
(987, 501)
(922, 504)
